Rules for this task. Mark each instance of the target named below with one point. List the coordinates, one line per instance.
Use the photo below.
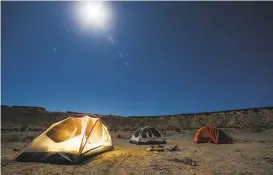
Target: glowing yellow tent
(71, 140)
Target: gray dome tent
(147, 135)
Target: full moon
(93, 14)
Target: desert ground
(252, 153)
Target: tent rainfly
(70, 140)
(210, 134)
(147, 135)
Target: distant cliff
(25, 107)
(37, 117)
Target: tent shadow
(56, 159)
(87, 159)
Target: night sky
(154, 58)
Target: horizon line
(164, 115)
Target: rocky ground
(252, 153)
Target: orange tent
(210, 134)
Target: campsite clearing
(252, 153)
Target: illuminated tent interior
(147, 135)
(72, 140)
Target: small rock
(174, 148)
(193, 163)
(162, 172)
(184, 160)
(150, 148)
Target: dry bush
(118, 136)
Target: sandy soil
(252, 153)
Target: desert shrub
(118, 136)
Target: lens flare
(93, 14)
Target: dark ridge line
(213, 112)
(143, 116)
